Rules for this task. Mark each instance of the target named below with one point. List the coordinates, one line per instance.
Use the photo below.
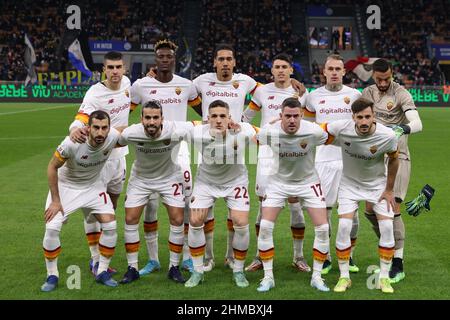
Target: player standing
(394, 107)
(328, 104)
(174, 93)
(155, 170)
(113, 97)
(221, 174)
(74, 178)
(294, 141)
(268, 99)
(364, 144)
(232, 88)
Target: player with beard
(394, 107)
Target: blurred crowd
(258, 30)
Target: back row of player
(329, 103)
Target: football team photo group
(308, 179)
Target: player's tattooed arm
(52, 174)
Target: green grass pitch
(31, 132)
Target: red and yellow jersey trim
(83, 117)
(193, 103)
(308, 114)
(254, 106)
(393, 155)
(256, 87)
(330, 139)
(133, 106)
(257, 129)
(59, 156)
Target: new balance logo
(271, 98)
(212, 84)
(347, 144)
(111, 101)
(322, 102)
(153, 92)
(84, 157)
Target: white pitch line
(33, 110)
(31, 138)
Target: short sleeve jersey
(363, 156)
(232, 92)
(174, 96)
(295, 152)
(222, 158)
(156, 158)
(114, 102)
(84, 162)
(330, 106)
(268, 99)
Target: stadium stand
(251, 27)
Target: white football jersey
(268, 99)
(115, 103)
(232, 92)
(329, 106)
(174, 95)
(84, 162)
(294, 152)
(222, 158)
(156, 158)
(363, 156)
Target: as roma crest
(235, 84)
(347, 100)
(178, 90)
(390, 105)
(127, 93)
(304, 144)
(373, 149)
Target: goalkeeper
(394, 107)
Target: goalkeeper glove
(415, 206)
(401, 130)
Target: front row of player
(74, 175)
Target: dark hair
(334, 57)
(99, 115)
(361, 104)
(152, 104)
(223, 46)
(112, 55)
(165, 44)
(291, 103)
(283, 56)
(218, 103)
(381, 65)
